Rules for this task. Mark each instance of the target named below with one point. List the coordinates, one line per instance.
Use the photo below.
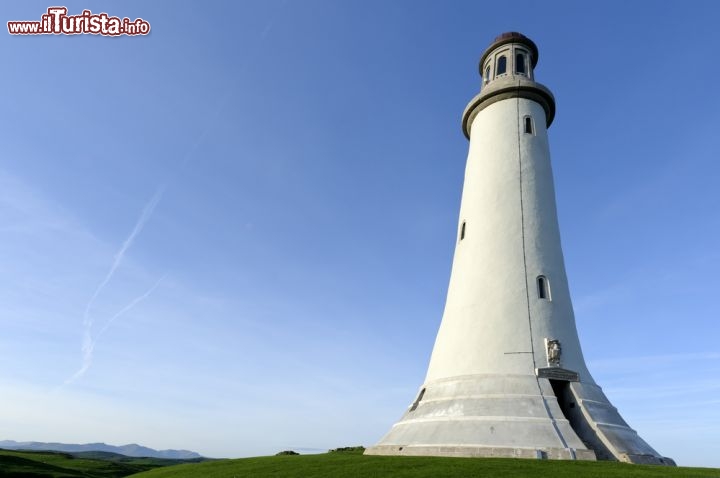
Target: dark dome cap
(511, 37)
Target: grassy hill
(51, 464)
(355, 465)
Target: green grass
(355, 465)
(51, 464)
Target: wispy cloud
(211, 122)
(129, 306)
(678, 384)
(648, 362)
(89, 346)
(88, 343)
(142, 220)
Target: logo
(57, 22)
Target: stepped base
(483, 452)
(515, 416)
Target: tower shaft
(495, 320)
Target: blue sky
(235, 235)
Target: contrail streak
(88, 344)
(146, 213)
(210, 122)
(129, 306)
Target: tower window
(462, 231)
(543, 288)
(501, 65)
(528, 122)
(520, 64)
(487, 74)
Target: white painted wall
(486, 326)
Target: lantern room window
(502, 65)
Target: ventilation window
(528, 125)
(520, 64)
(417, 400)
(501, 65)
(462, 231)
(543, 288)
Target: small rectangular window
(528, 125)
(520, 63)
(543, 288)
(462, 231)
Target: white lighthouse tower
(507, 376)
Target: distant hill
(82, 464)
(133, 449)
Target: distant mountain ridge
(132, 449)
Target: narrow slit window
(417, 401)
(520, 64)
(501, 65)
(529, 125)
(487, 74)
(543, 288)
(462, 231)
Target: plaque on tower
(557, 373)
